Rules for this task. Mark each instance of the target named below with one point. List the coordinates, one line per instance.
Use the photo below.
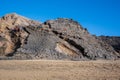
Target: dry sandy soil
(59, 70)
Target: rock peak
(14, 19)
(14, 16)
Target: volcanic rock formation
(22, 38)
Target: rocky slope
(113, 41)
(22, 38)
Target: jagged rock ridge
(53, 39)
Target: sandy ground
(59, 70)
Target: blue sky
(100, 17)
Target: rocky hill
(23, 38)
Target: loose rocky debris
(22, 38)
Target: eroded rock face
(13, 29)
(53, 39)
(3, 45)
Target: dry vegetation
(59, 70)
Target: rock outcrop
(53, 39)
(12, 28)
